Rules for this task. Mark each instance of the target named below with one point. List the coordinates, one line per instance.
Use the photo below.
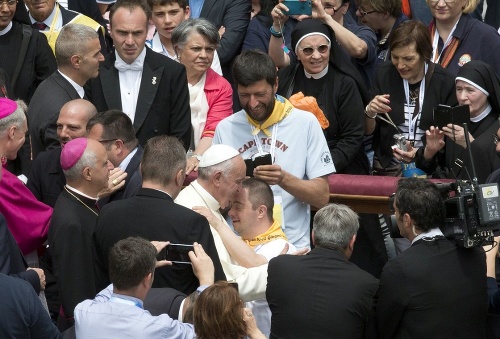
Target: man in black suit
(114, 130)
(149, 87)
(322, 294)
(153, 215)
(78, 56)
(434, 289)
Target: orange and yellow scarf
(282, 107)
(274, 232)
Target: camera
(258, 160)
(400, 142)
(471, 213)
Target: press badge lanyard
(413, 118)
(273, 141)
(125, 301)
(435, 43)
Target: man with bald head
(86, 168)
(46, 179)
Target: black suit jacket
(12, 260)
(234, 15)
(319, 295)
(433, 290)
(163, 101)
(164, 301)
(133, 181)
(44, 109)
(46, 179)
(153, 215)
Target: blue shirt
(112, 315)
(195, 6)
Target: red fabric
(405, 8)
(27, 218)
(219, 96)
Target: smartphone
(444, 115)
(296, 7)
(176, 253)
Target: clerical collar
(79, 89)
(317, 75)
(6, 29)
(80, 193)
(430, 235)
(483, 114)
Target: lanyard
(435, 43)
(413, 118)
(273, 141)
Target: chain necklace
(84, 204)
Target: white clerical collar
(139, 60)
(79, 89)
(433, 233)
(6, 29)
(483, 114)
(123, 165)
(317, 75)
(212, 203)
(79, 192)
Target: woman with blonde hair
(457, 38)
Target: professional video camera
(472, 211)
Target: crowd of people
(165, 168)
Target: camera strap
(414, 117)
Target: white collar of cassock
(317, 75)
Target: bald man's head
(73, 118)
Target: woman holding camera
(405, 92)
(477, 86)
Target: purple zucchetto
(72, 152)
(7, 107)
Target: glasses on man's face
(363, 13)
(310, 50)
(495, 139)
(435, 2)
(9, 3)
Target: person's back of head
(335, 227)
(218, 313)
(421, 200)
(131, 260)
(73, 41)
(252, 66)
(163, 161)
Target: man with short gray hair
(78, 56)
(335, 295)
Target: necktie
(40, 26)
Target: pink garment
(27, 218)
(219, 96)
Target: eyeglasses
(310, 50)
(435, 2)
(495, 139)
(331, 8)
(9, 3)
(363, 13)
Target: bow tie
(123, 66)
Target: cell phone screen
(176, 253)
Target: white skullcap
(217, 154)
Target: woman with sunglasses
(457, 38)
(405, 92)
(324, 72)
(383, 16)
(478, 86)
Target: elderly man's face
(6, 13)
(231, 182)
(40, 9)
